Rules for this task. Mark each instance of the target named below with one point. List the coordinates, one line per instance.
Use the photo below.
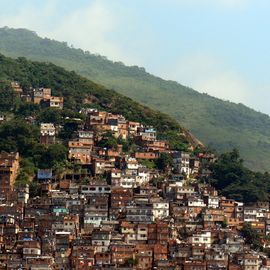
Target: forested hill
(78, 93)
(220, 124)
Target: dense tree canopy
(252, 237)
(8, 100)
(108, 141)
(18, 136)
(164, 161)
(233, 179)
(75, 89)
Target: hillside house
(95, 117)
(97, 188)
(86, 136)
(250, 262)
(9, 168)
(158, 145)
(102, 165)
(133, 128)
(181, 162)
(44, 175)
(146, 155)
(158, 233)
(127, 181)
(121, 252)
(120, 198)
(101, 239)
(203, 238)
(41, 94)
(123, 128)
(250, 214)
(112, 121)
(132, 165)
(16, 88)
(3, 118)
(147, 133)
(96, 210)
(134, 233)
(140, 213)
(31, 248)
(142, 177)
(144, 256)
(56, 102)
(212, 201)
(160, 208)
(47, 133)
(79, 152)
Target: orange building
(41, 94)
(121, 253)
(235, 223)
(144, 257)
(146, 155)
(160, 146)
(198, 265)
(228, 207)
(259, 227)
(17, 88)
(57, 102)
(80, 152)
(9, 167)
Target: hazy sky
(216, 46)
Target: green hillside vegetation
(17, 135)
(222, 125)
(234, 180)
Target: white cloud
(88, 28)
(227, 85)
(29, 17)
(229, 4)
(232, 3)
(211, 75)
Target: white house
(203, 238)
(160, 209)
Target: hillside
(78, 92)
(220, 124)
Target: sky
(219, 47)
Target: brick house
(9, 168)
